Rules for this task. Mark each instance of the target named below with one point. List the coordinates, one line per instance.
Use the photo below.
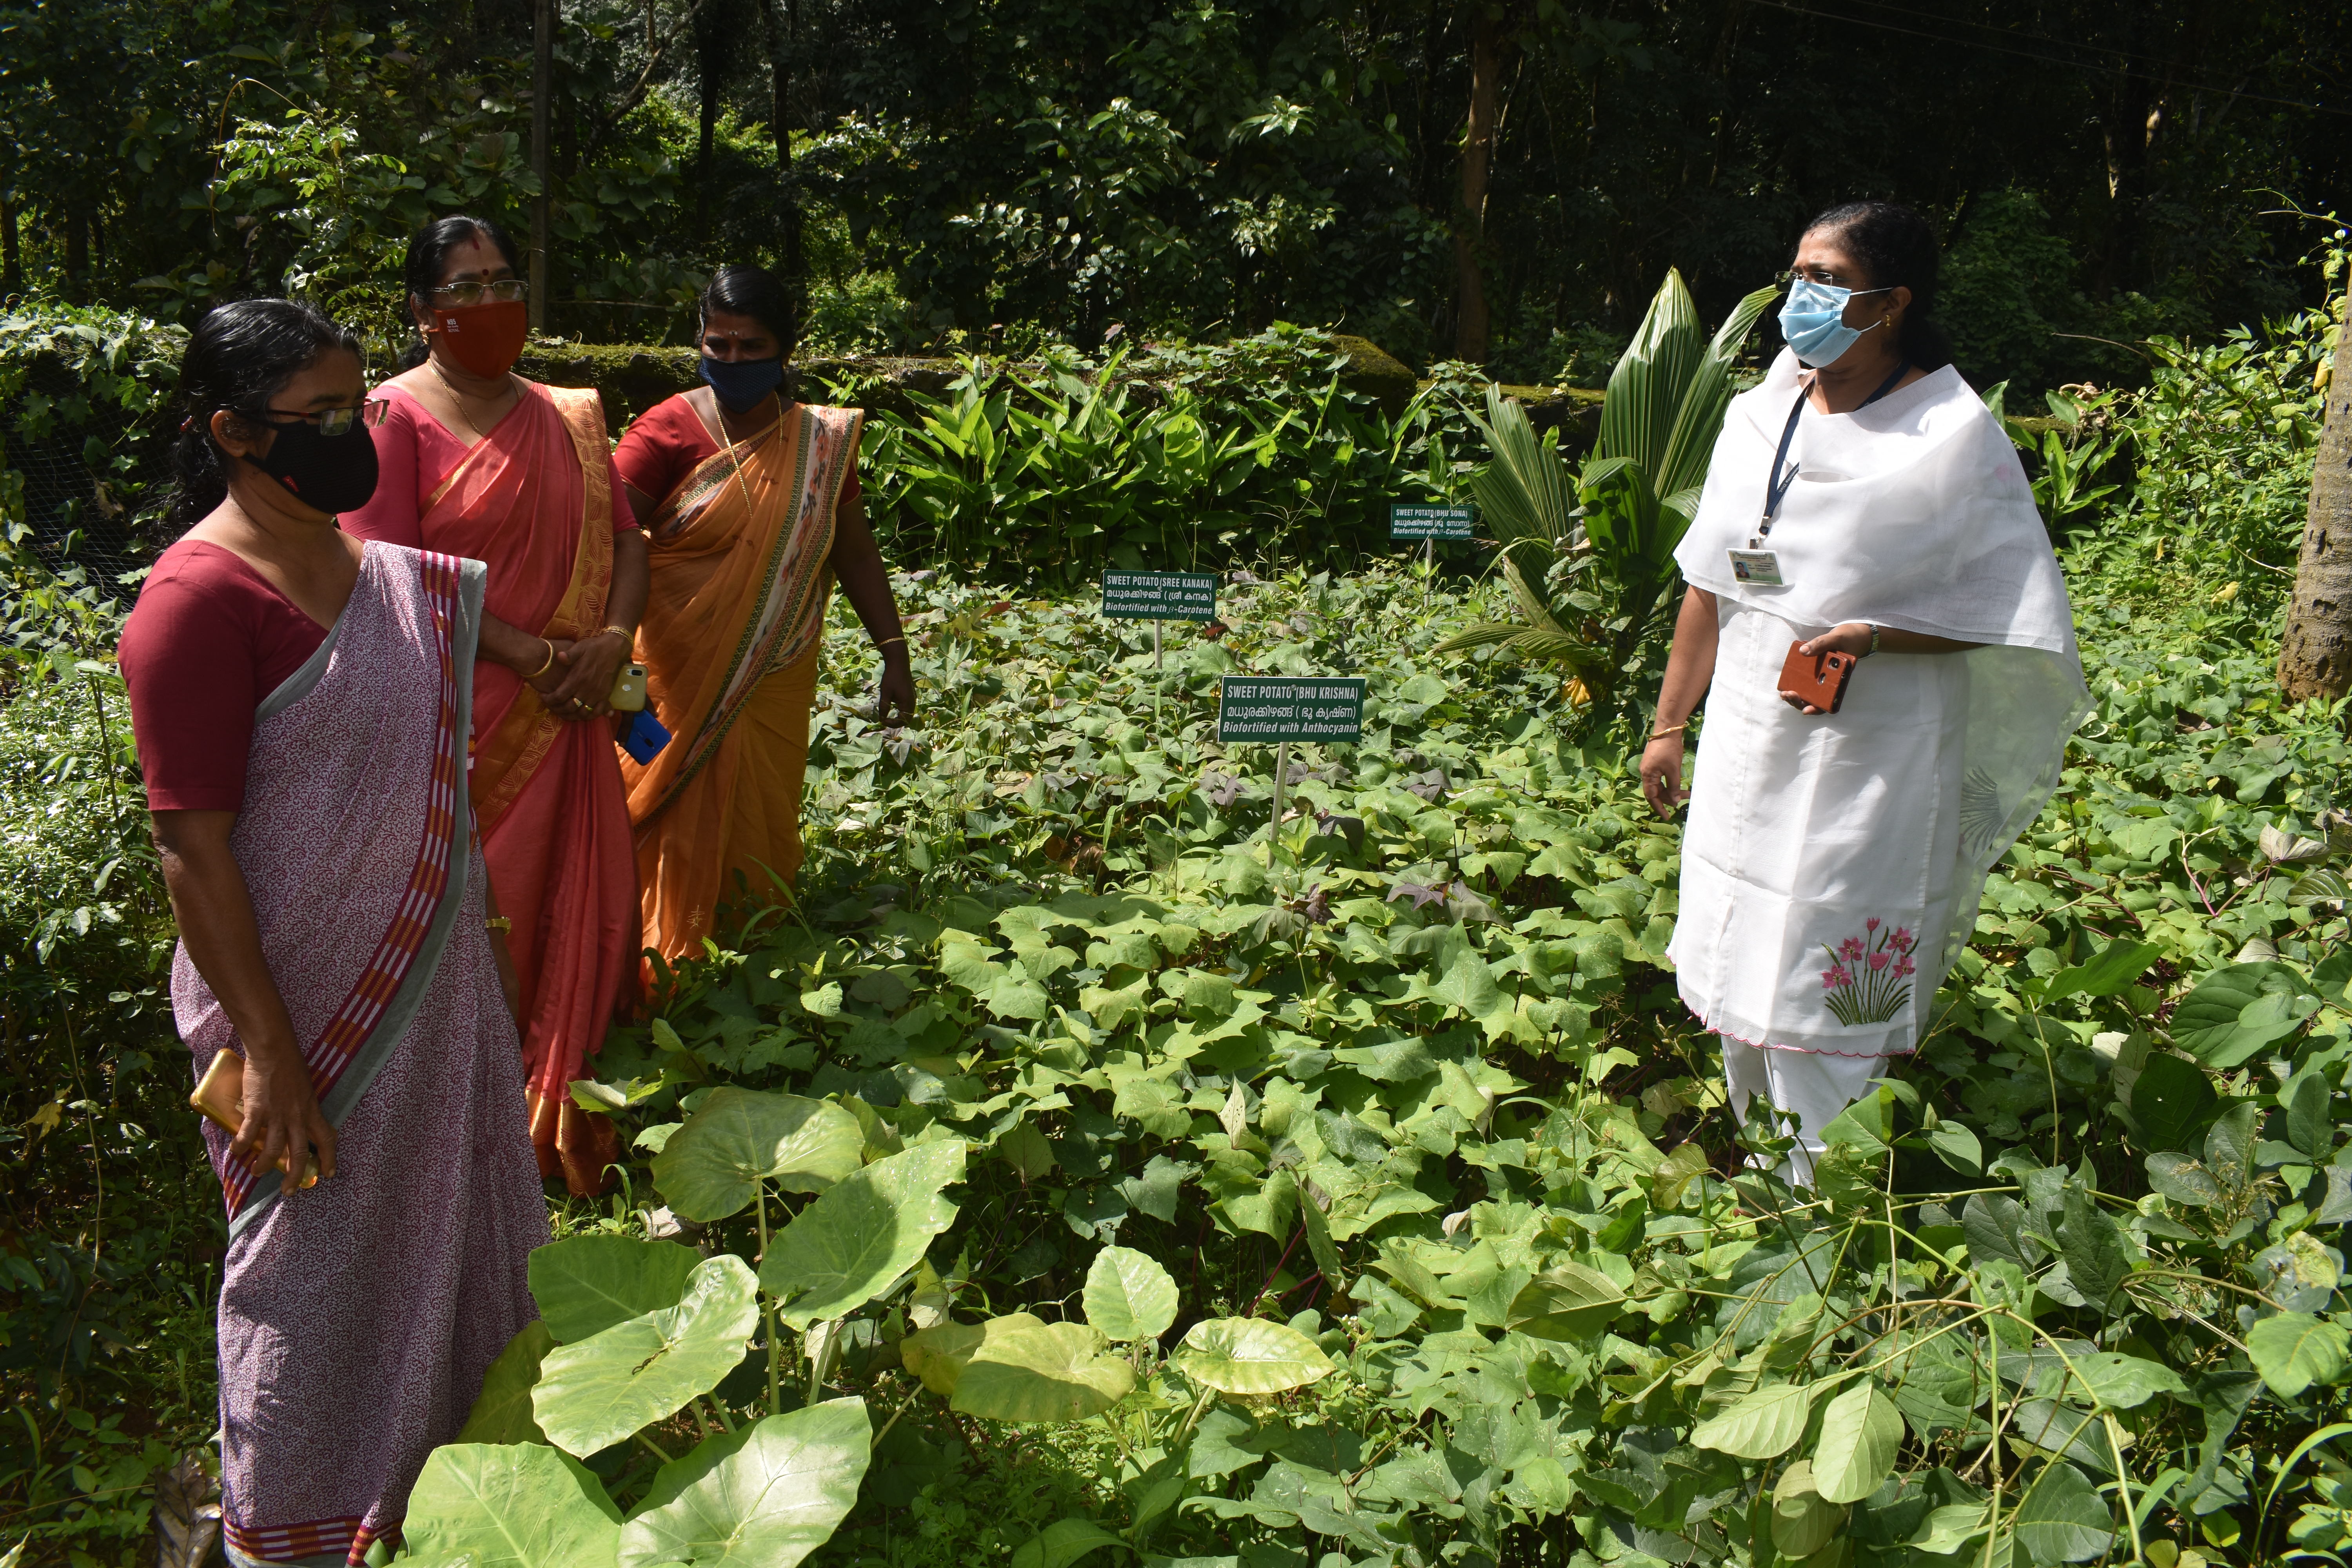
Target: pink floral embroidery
(1868, 981)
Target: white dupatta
(1911, 514)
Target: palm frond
(1479, 634)
(1645, 390)
(1699, 420)
(1524, 492)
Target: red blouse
(207, 641)
(666, 443)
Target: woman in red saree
(479, 463)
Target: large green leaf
(1699, 418)
(1249, 1355)
(1524, 492)
(501, 1413)
(2238, 1010)
(1763, 1425)
(2293, 1350)
(2097, 1257)
(1031, 1371)
(585, 1284)
(737, 1138)
(1063, 1543)
(1567, 1301)
(2125, 1382)
(1129, 1296)
(863, 1233)
(1802, 1520)
(508, 1505)
(1861, 1431)
(2172, 1099)
(2061, 1519)
(779, 1497)
(939, 1353)
(596, 1392)
(1646, 389)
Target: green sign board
(1271, 708)
(1160, 595)
(1430, 521)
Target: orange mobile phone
(1819, 679)
(221, 1096)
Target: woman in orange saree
(752, 506)
(481, 464)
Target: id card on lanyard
(1757, 566)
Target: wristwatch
(1873, 640)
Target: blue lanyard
(1776, 484)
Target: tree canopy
(1498, 182)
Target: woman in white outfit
(1863, 500)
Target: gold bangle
(543, 668)
(498, 923)
(626, 634)
(1662, 734)
(885, 642)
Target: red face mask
(486, 338)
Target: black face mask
(333, 474)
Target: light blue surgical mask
(1814, 320)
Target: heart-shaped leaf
(1249, 1355)
(501, 1413)
(777, 1498)
(1031, 1371)
(508, 1505)
(2063, 1519)
(1129, 1296)
(863, 1233)
(596, 1392)
(737, 1138)
(939, 1353)
(2172, 1099)
(585, 1284)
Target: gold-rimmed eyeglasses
(505, 290)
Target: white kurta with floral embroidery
(1832, 864)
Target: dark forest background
(1498, 183)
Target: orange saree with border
(741, 574)
(533, 499)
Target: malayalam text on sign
(1275, 708)
(1430, 521)
(1160, 595)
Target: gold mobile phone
(221, 1097)
(629, 690)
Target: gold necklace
(456, 397)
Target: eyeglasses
(1828, 280)
(334, 421)
(506, 291)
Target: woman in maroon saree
(301, 703)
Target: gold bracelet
(885, 642)
(1662, 734)
(626, 634)
(498, 923)
(543, 668)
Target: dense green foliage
(1354, 1188)
(1184, 169)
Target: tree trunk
(12, 261)
(1470, 318)
(2315, 654)
(781, 38)
(77, 251)
(710, 54)
(542, 71)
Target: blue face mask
(1813, 321)
(740, 384)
